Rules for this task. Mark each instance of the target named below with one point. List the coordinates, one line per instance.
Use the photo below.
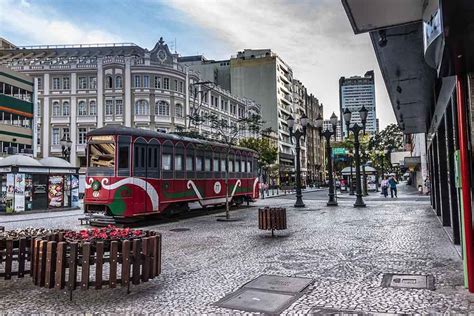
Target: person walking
(392, 182)
(384, 185)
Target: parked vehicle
(133, 172)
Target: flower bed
(109, 233)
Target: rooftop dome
(55, 162)
(19, 160)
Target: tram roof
(137, 132)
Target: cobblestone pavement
(345, 250)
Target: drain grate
(408, 281)
(179, 230)
(266, 294)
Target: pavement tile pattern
(345, 250)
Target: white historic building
(83, 87)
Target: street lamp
(298, 133)
(351, 184)
(356, 129)
(327, 135)
(66, 147)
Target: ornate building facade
(83, 87)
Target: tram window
(189, 163)
(237, 165)
(178, 162)
(156, 156)
(166, 162)
(142, 157)
(199, 164)
(243, 165)
(123, 157)
(231, 165)
(102, 155)
(216, 165)
(135, 156)
(207, 164)
(249, 166)
(150, 157)
(223, 168)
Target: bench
(272, 218)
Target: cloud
(38, 23)
(313, 37)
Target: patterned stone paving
(345, 250)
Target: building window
(109, 107)
(176, 85)
(66, 85)
(66, 108)
(55, 139)
(93, 82)
(56, 84)
(66, 134)
(166, 83)
(157, 82)
(137, 81)
(82, 136)
(40, 83)
(179, 110)
(118, 107)
(82, 83)
(162, 108)
(92, 108)
(142, 108)
(146, 81)
(56, 109)
(118, 82)
(181, 86)
(82, 108)
(108, 82)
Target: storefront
(29, 184)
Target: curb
(292, 192)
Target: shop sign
(433, 39)
(338, 151)
(61, 171)
(102, 138)
(55, 191)
(32, 170)
(19, 192)
(5, 169)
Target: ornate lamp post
(298, 133)
(351, 185)
(327, 134)
(66, 147)
(356, 129)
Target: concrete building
(83, 87)
(429, 75)
(339, 136)
(355, 92)
(314, 143)
(16, 112)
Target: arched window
(162, 108)
(92, 108)
(65, 108)
(179, 110)
(118, 82)
(142, 108)
(56, 109)
(108, 82)
(82, 108)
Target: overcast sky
(314, 36)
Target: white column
(186, 108)
(128, 92)
(100, 93)
(73, 119)
(46, 126)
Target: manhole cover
(252, 300)
(279, 283)
(408, 281)
(179, 229)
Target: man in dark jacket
(392, 182)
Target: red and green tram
(134, 172)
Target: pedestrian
(428, 185)
(392, 182)
(384, 185)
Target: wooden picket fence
(15, 257)
(59, 264)
(272, 218)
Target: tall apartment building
(263, 76)
(314, 143)
(355, 92)
(16, 112)
(83, 87)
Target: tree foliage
(267, 152)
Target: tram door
(152, 170)
(140, 197)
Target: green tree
(267, 152)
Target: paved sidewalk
(345, 250)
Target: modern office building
(16, 112)
(355, 92)
(425, 53)
(263, 76)
(83, 87)
(339, 136)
